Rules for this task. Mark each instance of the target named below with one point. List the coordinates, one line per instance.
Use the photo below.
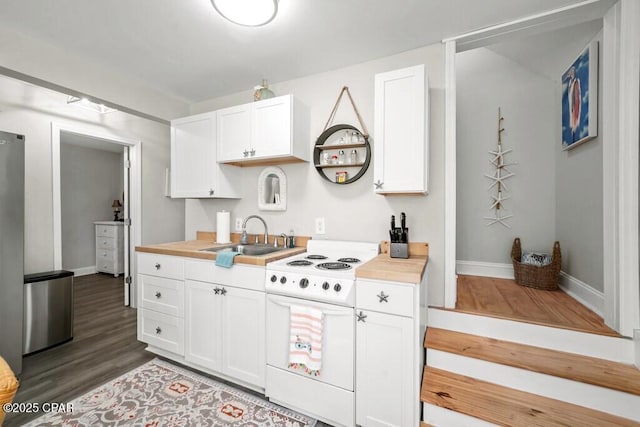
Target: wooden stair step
(575, 367)
(506, 406)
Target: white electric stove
(323, 278)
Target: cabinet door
(384, 360)
(193, 156)
(401, 131)
(203, 325)
(234, 132)
(271, 120)
(243, 335)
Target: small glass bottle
(341, 157)
(353, 157)
(354, 137)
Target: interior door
(127, 228)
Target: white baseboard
(583, 293)
(84, 271)
(485, 269)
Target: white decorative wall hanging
(498, 184)
(272, 189)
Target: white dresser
(110, 247)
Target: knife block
(399, 250)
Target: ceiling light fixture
(250, 13)
(89, 105)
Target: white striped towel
(305, 339)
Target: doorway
(127, 152)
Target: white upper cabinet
(194, 170)
(272, 131)
(401, 132)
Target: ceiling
(184, 49)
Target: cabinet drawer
(385, 297)
(162, 331)
(241, 276)
(112, 231)
(161, 265)
(108, 255)
(161, 295)
(106, 243)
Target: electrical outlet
(320, 226)
(238, 224)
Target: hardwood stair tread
(575, 367)
(506, 406)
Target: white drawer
(240, 276)
(161, 295)
(385, 297)
(106, 243)
(162, 331)
(161, 265)
(108, 255)
(112, 231)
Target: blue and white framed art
(580, 98)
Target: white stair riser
(600, 346)
(441, 417)
(599, 398)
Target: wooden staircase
(484, 371)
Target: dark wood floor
(504, 298)
(104, 347)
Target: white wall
(486, 81)
(90, 180)
(352, 212)
(30, 110)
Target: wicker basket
(539, 277)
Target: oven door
(338, 341)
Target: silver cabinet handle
(158, 295)
(383, 297)
(223, 291)
(158, 330)
(216, 290)
(361, 316)
(157, 266)
(211, 191)
(252, 152)
(378, 184)
(245, 153)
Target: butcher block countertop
(409, 270)
(204, 240)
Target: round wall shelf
(332, 154)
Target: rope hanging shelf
(342, 148)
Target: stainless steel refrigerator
(11, 248)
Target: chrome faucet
(285, 239)
(244, 239)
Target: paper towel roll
(223, 227)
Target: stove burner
(333, 266)
(349, 260)
(300, 263)
(312, 256)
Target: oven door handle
(345, 312)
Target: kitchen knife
(393, 222)
(403, 224)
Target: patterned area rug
(161, 394)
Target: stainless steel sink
(259, 249)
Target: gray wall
(579, 215)
(486, 81)
(90, 180)
(352, 212)
(30, 111)
(556, 195)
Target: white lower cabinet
(225, 330)
(388, 349)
